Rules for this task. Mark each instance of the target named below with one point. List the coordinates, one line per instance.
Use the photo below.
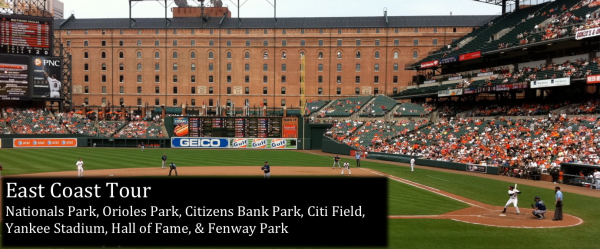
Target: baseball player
(54, 85)
(79, 168)
(142, 146)
(0, 170)
(267, 169)
(164, 160)
(357, 156)
(597, 178)
(173, 167)
(512, 192)
(539, 208)
(346, 167)
(412, 164)
(336, 160)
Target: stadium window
(68, 43)
(283, 90)
(265, 67)
(156, 78)
(121, 55)
(338, 91)
(85, 32)
(266, 31)
(395, 67)
(395, 79)
(283, 43)
(247, 43)
(247, 79)
(175, 55)
(339, 54)
(121, 78)
(139, 89)
(121, 67)
(121, 89)
(174, 102)
(228, 78)
(139, 54)
(434, 30)
(86, 89)
(396, 54)
(103, 100)
(103, 55)
(174, 31)
(103, 43)
(210, 67)
(434, 42)
(193, 67)
(228, 43)
(320, 55)
(283, 102)
(339, 42)
(211, 43)
(376, 67)
(228, 90)
(175, 79)
(320, 67)
(416, 42)
(86, 43)
(193, 78)
(358, 67)
(284, 31)
(193, 90)
(376, 54)
(358, 31)
(358, 42)
(139, 79)
(103, 66)
(283, 55)
(302, 31)
(210, 55)
(357, 91)
(339, 67)
(121, 43)
(210, 102)
(283, 67)
(320, 91)
(396, 42)
(247, 31)
(156, 31)
(265, 43)
(320, 31)
(320, 79)
(376, 91)
(246, 67)
(396, 30)
(211, 31)
(229, 31)
(193, 42)
(357, 54)
(302, 43)
(103, 89)
(357, 79)
(416, 30)
(193, 102)
(283, 79)
(228, 55)
(265, 90)
(321, 43)
(210, 79)
(86, 78)
(156, 102)
(395, 90)
(68, 32)
(247, 90)
(86, 67)
(156, 66)
(228, 66)
(210, 90)
(453, 30)
(339, 31)
(265, 79)
(228, 102)
(415, 54)
(247, 55)
(339, 79)
(376, 79)
(85, 55)
(86, 101)
(157, 43)
(156, 55)
(377, 42)
(265, 102)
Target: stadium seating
(76, 124)
(344, 107)
(378, 107)
(32, 121)
(375, 133)
(314, 105)
(342, 129)
(108, 128)
(141, 129)
(412, 110)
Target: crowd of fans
(141, 129)
(32, 121)
(77, 124)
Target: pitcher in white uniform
(79, 168)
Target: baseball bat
(515, 186)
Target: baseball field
(428, 208)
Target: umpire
(267, 169)
(173, 167)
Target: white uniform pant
(268, 175)
(346, 168)
(338, 164)
(80, 171)
(412, 167)
(597, 183)
(164, 164)
(514, 202)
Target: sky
(287, 8)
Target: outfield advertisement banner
(476, 168)
(551, 82)
(451, 92)
(593, 79)
(44, 142)
(587, 33)
(233, 143)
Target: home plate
(502, 214)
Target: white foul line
(438, 178)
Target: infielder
(54, 85)
(539, 208)
(173, 167)
(79, 168)
(412, 164)
(512, 192)
(346, 167)
(336, 160)
(267, 169)
(164, 160)
(597, 178)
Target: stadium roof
(291, 22)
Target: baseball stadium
(459, 113)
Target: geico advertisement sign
(180, 142)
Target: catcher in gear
(267, 169)
(539, 208)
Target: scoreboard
(228, 127)
(26, 35)
(14, 77)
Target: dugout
(571, 173)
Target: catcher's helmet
(537, 197)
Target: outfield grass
(403, 199)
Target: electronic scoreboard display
(14, 77)
(234, 127)
(26, 35)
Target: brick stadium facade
(196, 62)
